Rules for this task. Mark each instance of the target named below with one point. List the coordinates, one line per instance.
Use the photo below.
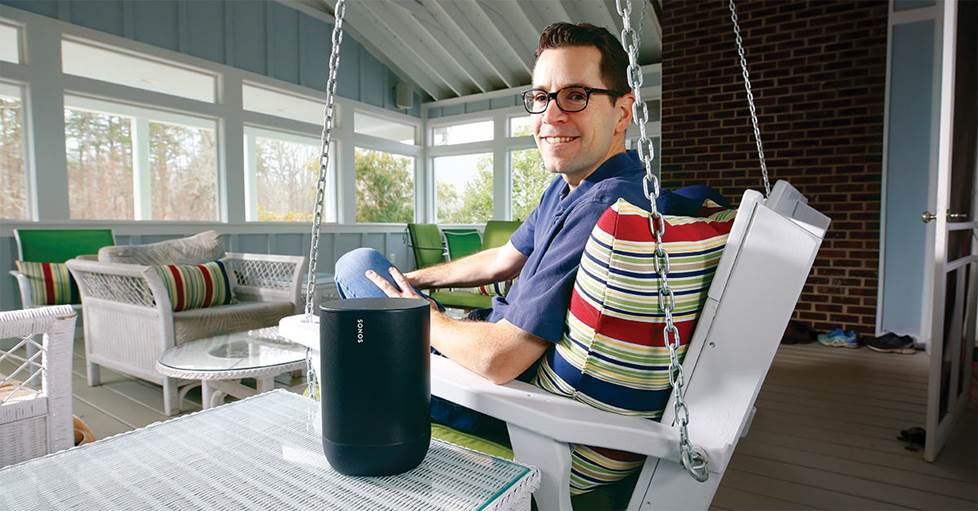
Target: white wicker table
(260, 453)
(218, 362)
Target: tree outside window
(13, 172)
(385, 187)
(286, 176)
(98, 148)
(183, 163)
(530, 180)
(463, 189)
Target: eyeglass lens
(570, 99)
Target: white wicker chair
(129, 321)
(36, 422)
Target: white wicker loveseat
(35, 421)
(129, 321)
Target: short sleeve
(545, 295)
(522, 238)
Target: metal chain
(327, 135)
(693, 458)
(750, 97)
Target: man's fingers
(382, 283)
(401, 281)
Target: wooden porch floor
(824, 436)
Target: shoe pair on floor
(839, 338)
(891, 343)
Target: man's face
(575, 144)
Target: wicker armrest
(123, 283)
(267, 277)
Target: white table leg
(264, 384)
(206, 394)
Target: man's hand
(406, 289)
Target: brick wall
(818, 72)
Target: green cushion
(613, 496)
(462, 242)
(426, 242)
(462, 299)
(59, 245)
(498, 232)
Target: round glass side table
(220, 361)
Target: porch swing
(768, 255)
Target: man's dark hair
(614, 60)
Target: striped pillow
(195, 286)
(612, 355)
(51, 284)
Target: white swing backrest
(765, 264)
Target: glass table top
(235, 351)
(263, 452)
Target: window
(132, 163)
(520, 126)
(183, 165)
(376, 127)
(281, 104)
(9, 43)
(98, 147)
(463, 188)
(462, 133)
(132, 70)
(285, 174)
(529, 180)
(13, 170)
(385, 186)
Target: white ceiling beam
(590, 11)
(387, 50)
(452, 13)
(503, 15)
(462, 41)
(416, 43)
(461, 54)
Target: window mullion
(141, 172)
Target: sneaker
(839, 338)
(891, 343)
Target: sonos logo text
(359, 331)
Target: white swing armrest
(557, 417)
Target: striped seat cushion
(196, 286)
(612, 355)
(51, 284)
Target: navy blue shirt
(553, 240)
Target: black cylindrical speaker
(375, 384)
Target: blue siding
(156, 22)
(283, 47)
(348, 83)
(434, 112)
(205, 29)
(373, 79)
(503, 102)
(104, 15)
(314, 47)
(452, 110)
(248, 35)
(47, 8)
(477, 106)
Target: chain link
(327, 135)
(693, 458)
(750, 96)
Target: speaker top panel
(374, 304)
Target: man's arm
(491, 265)
(498, 352)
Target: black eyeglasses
(569, 99)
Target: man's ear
(623, 107)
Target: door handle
(927, 216)
(957, 217)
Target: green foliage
(286, 176)
(530, 180)
(385, 187)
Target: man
(581, 106)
